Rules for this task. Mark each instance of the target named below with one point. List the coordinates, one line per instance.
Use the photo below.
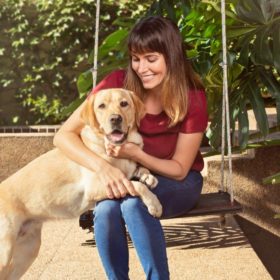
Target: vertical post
(95, 56)
(226, 98)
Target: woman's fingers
(129, 187)
(117, 184)
(117, 190)
(112, 150)
(109, 192)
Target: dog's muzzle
(117, 137)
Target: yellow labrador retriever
(52, 186)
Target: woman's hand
(127, 150)
(117, 185)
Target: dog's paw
(149, 180)
(154, 206)
(155, 210)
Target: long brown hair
(159, 34)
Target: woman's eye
(101, 106)
(152, 59)
(124, 103)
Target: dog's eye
(124, 103)
(101, 106)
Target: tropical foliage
(40, 39)
(253, 41)
(44, 45)
(253, 31)
(275, 179)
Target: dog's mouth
(116, 137)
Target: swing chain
(95, 56)
(225, 113)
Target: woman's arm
(175, 168)
(68, 140)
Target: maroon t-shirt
(159, 139)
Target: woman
(160, 74)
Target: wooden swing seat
(209, 204)
(214, 203)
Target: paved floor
(198, 248)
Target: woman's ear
(139, 108)
(88, 114)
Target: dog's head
(113, 113)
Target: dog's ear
(87, 114)
(139, 108)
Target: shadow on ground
(265, 244)
(197, 235)
(201, 235)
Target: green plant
(274, 179)
(41, 51)
(253, 41)
(253, 37)
(253, 58)
(44, 45)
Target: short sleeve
(113, 80)
(196, 119)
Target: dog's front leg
(26, 249)
(7, 241)
(148, 198)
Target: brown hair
(159, 34)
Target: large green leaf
(269, 81)
(276, 46)
(273, 87)
(243, 124)
(244, 56)
(254, 95)
(112, 42)
(214, 132)
(263, 46)
(274, 179)
(250, 11)
(236, 31)
(268, 9)
(84, 82)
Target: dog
(53, 186)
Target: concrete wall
(16, 151)
(260, 202)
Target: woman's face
(150, 67)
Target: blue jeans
(111, 216)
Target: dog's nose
(115, 119)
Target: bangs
(144, 42)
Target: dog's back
(38, 184)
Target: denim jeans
(113, 217)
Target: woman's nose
(142, 66)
